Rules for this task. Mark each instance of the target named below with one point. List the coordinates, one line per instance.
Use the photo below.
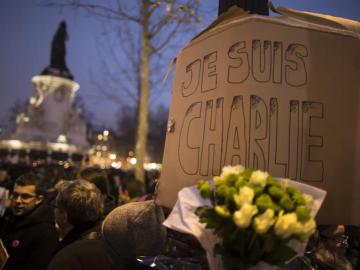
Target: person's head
(139, 225)
(28, 193)
(98, 177)
(3, 175)
(78, 202)
(135, 188)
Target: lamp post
(253, 6)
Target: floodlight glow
(133, 161)
(61, 139)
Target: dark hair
(98, 177)
(32, 178)
(81, 200)
(135, 187)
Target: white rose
(227, 170)
(285, 183)
(308, 229)
(258, 178)
(263, 222)
(242, 218)
(245, 195)
(286, 225)
(309, 201)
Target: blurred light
(15, 144)
(61, 139)
(152, 166)
(62, 147)
(133, 161)
(112, 156)
(32, 100)
(61, 163)
(100, 137)
(104, 148)
(106, 133)
(116, 165)
(66, 165)
(131, 153)
(98, 154)
(22, 118)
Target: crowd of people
(59, 218)
(55, 218)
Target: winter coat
(81, 249)
(30, 240)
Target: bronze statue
(58, 49)
(58, 52)
(253, 6)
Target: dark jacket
(81, 249)
(30, 240)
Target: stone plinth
(49, 116)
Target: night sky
(27, 28)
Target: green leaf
(263, 202)
(247, 173)
(231, 179)
(240, 182)
(205, 189)
(302, 213)
(221, 192)
(271, 181)
(208, 216)
(292, 190)
(298, 198)
(286, 203)
(280, 254)
(258, 190)
(276, 192)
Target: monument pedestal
(49, 116)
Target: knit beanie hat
(133, 229)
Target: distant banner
(4, 196)
(272, 93)
(4, 255)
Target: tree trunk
(142, 130)
(254, 6)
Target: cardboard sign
(279, 94)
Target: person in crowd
(5, 180)
(78, 212)
(5, 187)
(99, 178)
(28, 232)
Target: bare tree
(126, 130)
(145, 28)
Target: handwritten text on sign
(247, 132)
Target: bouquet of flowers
(255, 217)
